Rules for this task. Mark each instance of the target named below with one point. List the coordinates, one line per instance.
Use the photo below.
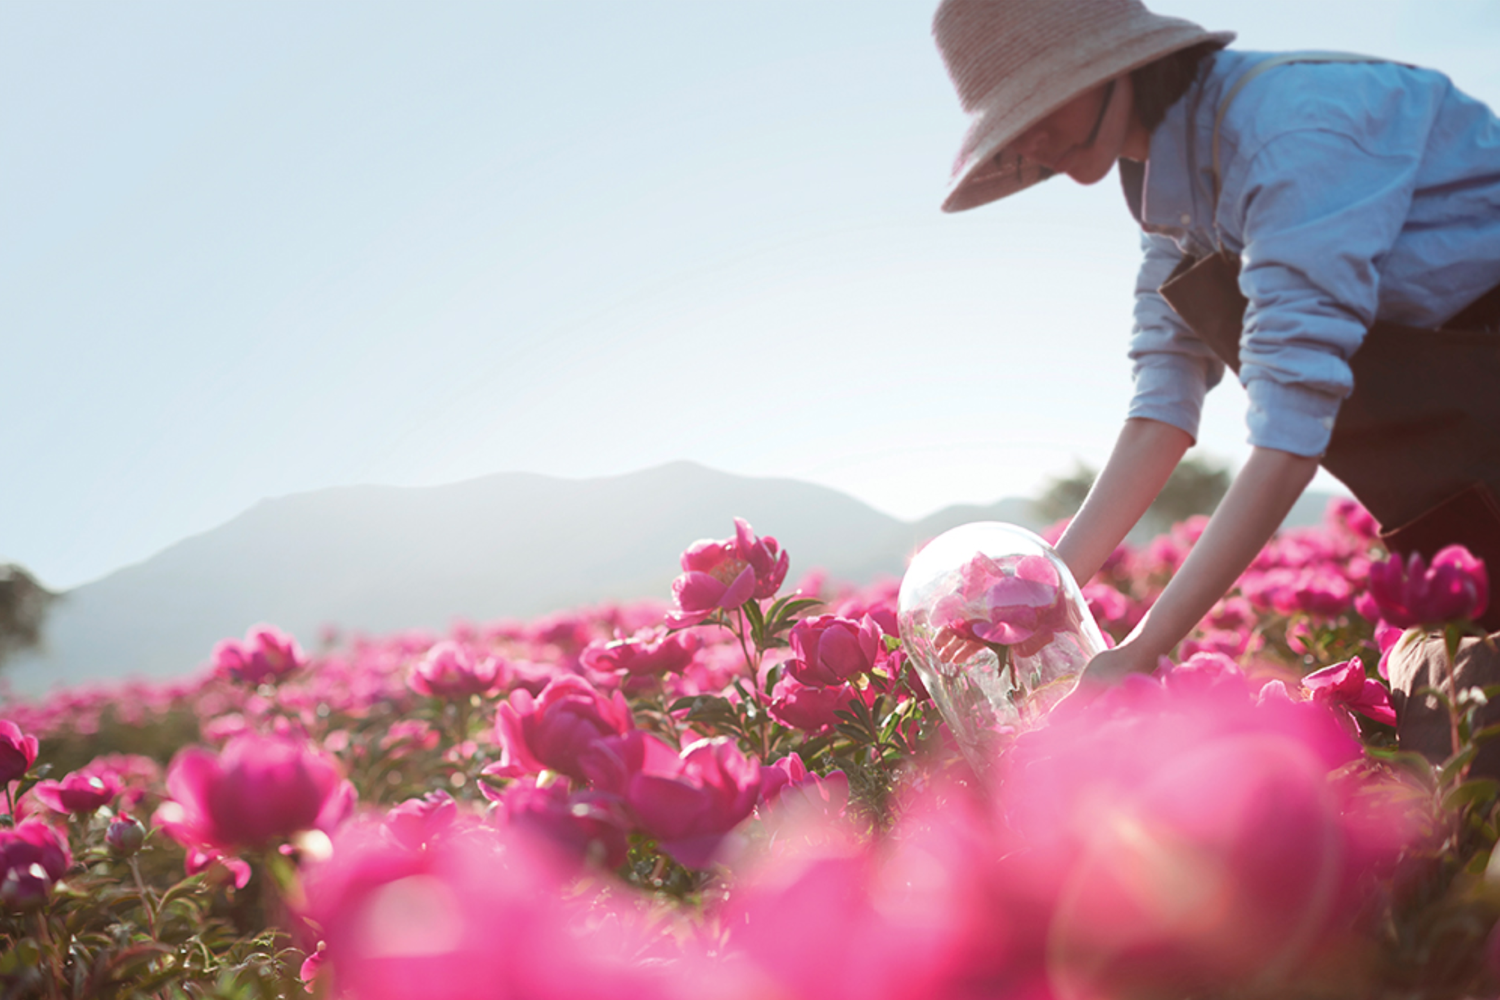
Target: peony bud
(124, 836)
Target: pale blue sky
(249, 249)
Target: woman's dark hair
(1159, 85)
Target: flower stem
(1451, 639)
(148, 899)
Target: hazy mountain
(379, 558)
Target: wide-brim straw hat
(1014, 62)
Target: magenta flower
(415, 823)
(479, 914)
(829, 650)
(258, 790)
(764, 556)
(809, 707)
(714, 577)
(451, 671)
(689, 801)
(17, 752)
(550, 732)
(80, 792)
(1454, 588)
(33, 855)
(265, 656)
(650, 652)
(788, 783)
(1344, 685)
(588, 826)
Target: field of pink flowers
(744, 791)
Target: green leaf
(1475, 792)
(1456, 764)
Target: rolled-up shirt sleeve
(1173, 369)
(1316, 213)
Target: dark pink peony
(551, 731)
(1344, 685)
(1454, 588)
(829, 650)
(650, 652)
(417, 822)
(264, 657)
(82, 791)
(33, 855)
(257, 790)
(688, 801)
(17, 752)
(714, 577)
(589, 826)
(448, 670)
(809, 707)
(764, 556)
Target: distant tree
(1195, 487)
(23, 609)
(1064, 494)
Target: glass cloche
(997, 628)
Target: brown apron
(1418, 440)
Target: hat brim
(981, 176)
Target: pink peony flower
(715, 577)
(259, 789)
(1454, 588)
(689, 801)
(33, 855)
(1344, 685)
(788, 783)
(550, 732)
(809, 707)
(588, 826)
(829, 650)
(80, 792)
(764, 556)
(451, 671)
(1350, 515)
(648, 653)
(266, 656)
(415, 823)
(480, 914)
(17, 752)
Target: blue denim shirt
(1351, 192)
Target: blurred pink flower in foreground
(479, 914)
(264, 657)
(448, 670)
(552, 731)
(1454, 588)
(259, 789)
(80, 792)
(17, 752)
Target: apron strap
(1282, 60)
